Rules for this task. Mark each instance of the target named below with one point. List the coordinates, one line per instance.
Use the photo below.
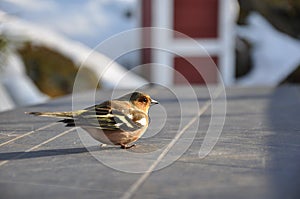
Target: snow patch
(275, 54)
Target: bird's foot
(127, 147)
(103, 145)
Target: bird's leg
(133, 145)
(124, 146)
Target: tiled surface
(256, 155)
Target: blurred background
(43, 44)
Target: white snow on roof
(77, 52)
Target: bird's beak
(154, 102)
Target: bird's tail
(63, 115)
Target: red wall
(196, 18)
(189, 67)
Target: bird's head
(141, 100)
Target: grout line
(39, 145)
(28, 133)
(135, 186)
(50, 140)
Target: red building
(196, 38)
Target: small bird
(120, 121)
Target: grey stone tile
(255, 156)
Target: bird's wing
(110, 116)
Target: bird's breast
(116, 137)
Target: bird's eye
(144, 100)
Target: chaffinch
(120, 121)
